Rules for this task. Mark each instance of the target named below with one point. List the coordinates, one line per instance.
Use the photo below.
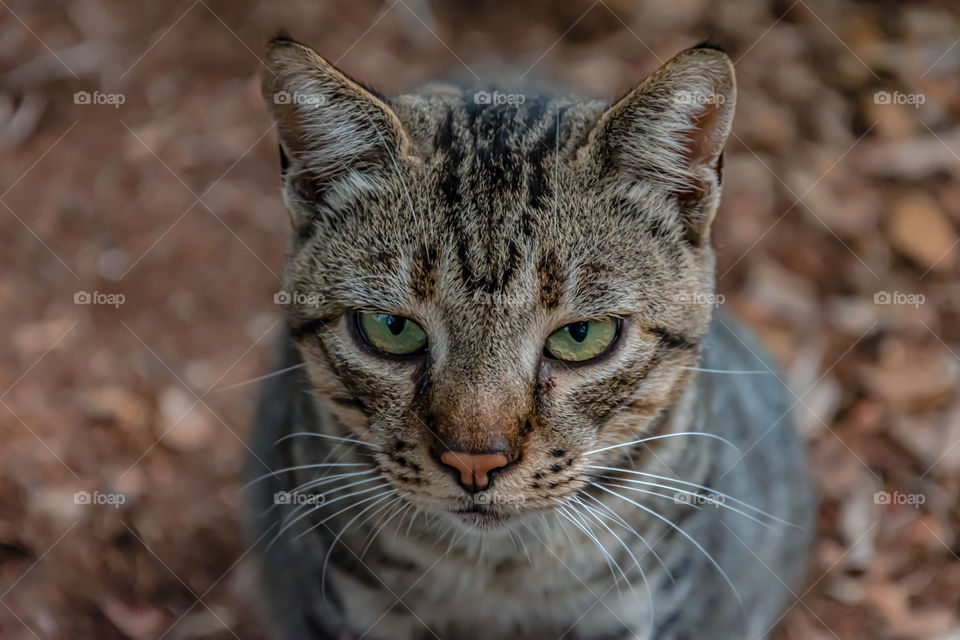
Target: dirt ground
(142, 235)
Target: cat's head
(489, 287)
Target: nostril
(474, 468)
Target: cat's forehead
(497, 178)
(496, 143)
(486, 257)
(493, 216)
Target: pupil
(396, 324)
(578, 331)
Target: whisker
(313, 508)
(319, 482)
(564, 528)
(403, 518)
(322, 496)
(525, 551)
(543, 518)
(279, 372)
(698, 486)
(665, 435)
(377, 496)
(381, 509)
(625, 525)
(646, 583)
(736, 372)
(410, 524)
(326, 560)
(319, 500)
(311, 434)
(583, 518)
(403, 506)
(646, 491)
(322, 480)
(708, 499)
(685, 535)
(562, 510)
(316, 465)
(523, 547)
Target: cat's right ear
(670, 131)
(334, 133)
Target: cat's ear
(334, 133)
(670, 131)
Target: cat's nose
(474, 468)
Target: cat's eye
(396, 335)
(584, 340)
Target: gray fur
(492, 226)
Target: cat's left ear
(669, 131)
(334, 133)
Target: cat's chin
(476, 520)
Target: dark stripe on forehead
(496, 153)
(453, 155)
(449, 142)
(542, 162)
(551, 277)
(461, 242)
(380, 262)
(497, 164)
(514, 257)
(423, 276)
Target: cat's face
(491, 293)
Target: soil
(143, 236)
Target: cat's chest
(555, 592)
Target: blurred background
(142, 236)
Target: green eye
(579, 341)
(391, 334)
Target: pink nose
(474, 467)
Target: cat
(501, 409)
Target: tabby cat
(503, 409)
